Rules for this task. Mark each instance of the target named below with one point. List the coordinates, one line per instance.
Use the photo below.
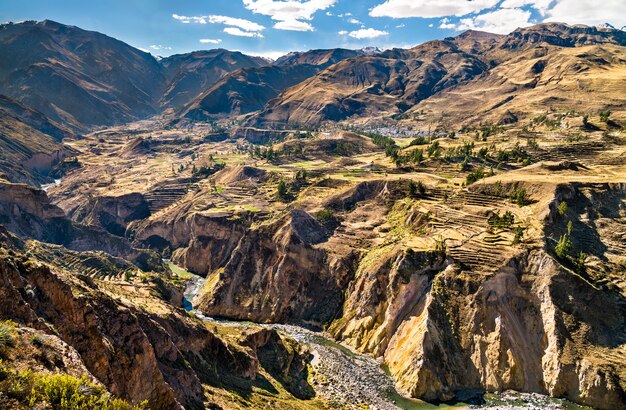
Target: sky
(271, 28)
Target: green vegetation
(281, 190)
(58, 392)
(6, 333)
(475, 175)
(519, 235)
(604, 116)
(519, 197)
(562, 208)
(327, 218)
(502, 221)
(563, 247)
(416, 188)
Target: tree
(604, 116)
(282, 189)
(563, 247)
(416, 188)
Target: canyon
(437, 226)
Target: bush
(60, 392)
(478, 173)
(504, 221)
(416, 188)
(281, 190)
(604, 115)
(6, 333)
(327, 218)
(562, 208)
(519, 197)
(563, 247)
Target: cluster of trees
(270, 154)
(564, 248)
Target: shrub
(416, 188)
(60, 392)
(478, 173)
(6, 333)
(504, 221)
(281, 190)
(562, 208)
(519, 197)
(327, 218)
(519, 235)
(580, 263)
(563, 247)
(604, 115)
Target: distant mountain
(85, 79)
(321, 58)
(29, 143)
(391, 81)
(190, 74)
(398, 81)
(249, 89)
(77, 77)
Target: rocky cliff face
(130, 335)
(447, 325)
(27, 212)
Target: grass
(58, 392)
(6, 333)
(180, 272)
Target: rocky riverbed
(351, 380)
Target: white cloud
(342, 32)
(210, 41)
(401, 25)
(294, 25)
(588, 12)
(367, 33)
(501, 21)
(234, 31)
(541, 5)
(289, 14)
(430, 8)
(354, 21)
(235, 26)
(158, 47)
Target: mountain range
(94, 80)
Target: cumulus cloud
(235, 26)
(210, 41)
(588, 12)
(289, 14)
(367, 33)
(342, 32)
(430, 8)
(354, 21)
(501, 21)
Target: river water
(353, 380)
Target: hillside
(391, 81)
(249, 89)
(188, 75)
(29, 143)
(77, 77)
(395, 81)
(84, 79)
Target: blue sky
(274, 27)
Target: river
(353, 379)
